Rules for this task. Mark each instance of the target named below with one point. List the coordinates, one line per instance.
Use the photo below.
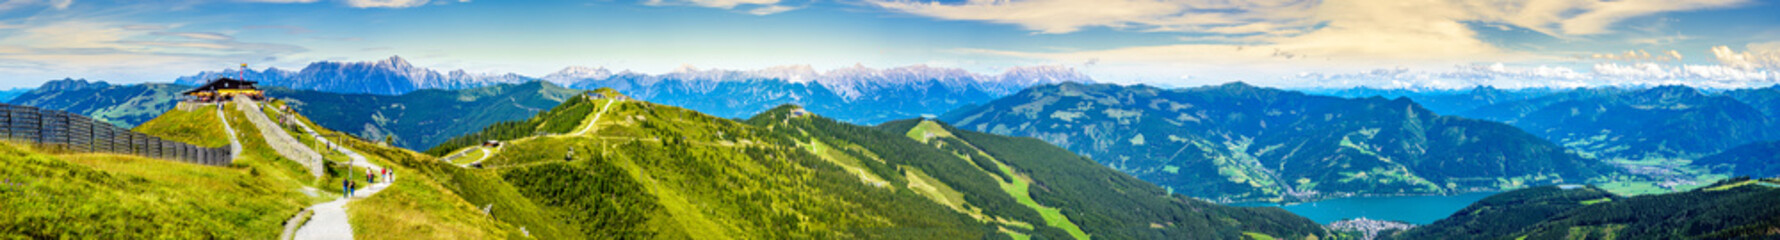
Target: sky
(1280, 43)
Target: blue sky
(1285, 43)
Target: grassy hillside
(127, 197)
(111, 196)
(196, 127)
(563, 118)
(417, 207)
(663, 172)
(1027, 186)
(651, 171)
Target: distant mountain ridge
(417, 120)
(856, 94)
(391, 76)
(121, 105)
(1444, 101)
(1662, 122)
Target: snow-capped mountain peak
(572, 74)
(801, 73)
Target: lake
(1419, 210)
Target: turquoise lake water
(1417, 210)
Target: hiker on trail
(346, 187)
(385, 173)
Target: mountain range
(1443, 101)
(857, 94)
(1660, 122)
(391, 76)
(121, 105)
(1237, 142)
(8, 95)
(419, 119)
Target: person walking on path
(346, 187)
(385, 173)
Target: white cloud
(1760, 55)
(385, 3)
(197, 35)
(1064, 16)
(1302, 36)
(770, 9)
(1573, 17)
(118, 51)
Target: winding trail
(330, 221)
(485, 155)
(234, 144)
(596, 117)
(584, 130)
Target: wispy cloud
(293, 30)
(385, 3)
(770, 9)
(760, 7)
(278, 1)
(1064, 16)
(8, 5)
(111, 49)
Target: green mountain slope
(1095, 197)
(1661, 122)
(1237, 142)
(655, 171)
(423, 119)
(1738, 208)
(1758, 159)
(1767, 100)
(122, 105)
(1506, 213)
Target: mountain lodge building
(224, 89)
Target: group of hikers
(349, 187)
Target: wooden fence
(64, 131)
